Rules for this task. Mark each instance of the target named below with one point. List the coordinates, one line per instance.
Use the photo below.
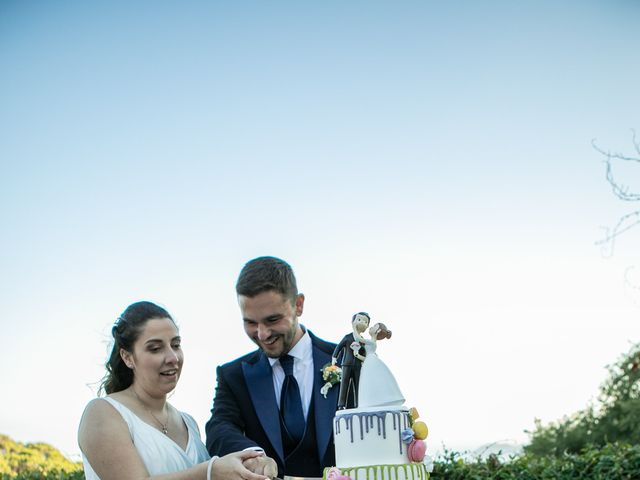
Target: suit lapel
(260, 385)
(325, 407)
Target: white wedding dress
(377, 386)
(159, 453)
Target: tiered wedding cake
(381, 439)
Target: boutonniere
(331, 374)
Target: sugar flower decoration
(428, 463)
(407, 435)
(334, 473)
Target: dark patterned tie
(290, 403)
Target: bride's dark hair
(125, 332)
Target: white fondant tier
(370, 436)
(407, 471)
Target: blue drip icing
(350, 427)
(368, 418)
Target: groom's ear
(299, 304)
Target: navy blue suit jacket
(245, 413)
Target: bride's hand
(231, 467)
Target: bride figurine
(377, 386)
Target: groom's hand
(232, 467)
(262, 465)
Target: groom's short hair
(264, 274)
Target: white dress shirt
(302, 353)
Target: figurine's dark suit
(350, 372)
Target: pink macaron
(416, 450)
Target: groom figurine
(270, 399)
(353, 354)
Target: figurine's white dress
(159, 453)
(377, 386)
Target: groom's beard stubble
(278, 344)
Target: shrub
(35, 461)
(611, 462)
(614, 418)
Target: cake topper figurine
(353, 354)
(377, 385)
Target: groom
(270, 399)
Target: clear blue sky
(428, 163)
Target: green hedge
(611, 462)
(614, 417)
(35, 461)
(79, 475)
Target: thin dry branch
(621, 191)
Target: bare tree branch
(621, 191)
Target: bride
(378, 386)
